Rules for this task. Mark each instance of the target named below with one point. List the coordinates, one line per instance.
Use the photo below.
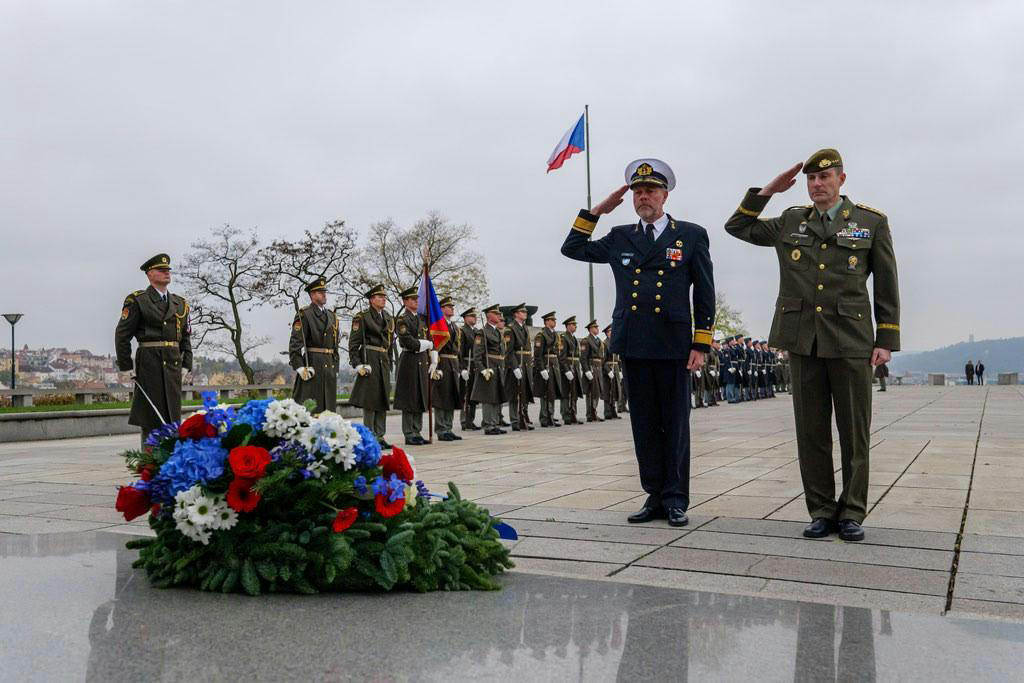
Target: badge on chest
(627, 256)
(674, 254)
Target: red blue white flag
(573, 142)
(430, 308)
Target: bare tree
(328, 253)
(728, 320)
(221, 278)
(393, 256)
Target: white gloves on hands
(712, 373)
(589, 375)
(306, 373)
(465, 375)
(487, 374)
(569, 375)
(697, 372)
(434, 358)
(436, 374)
(425, 345)
(517, 372)
(732, 369)
(545, 375)
(611, 374)
(363, 370)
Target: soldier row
(740, 369)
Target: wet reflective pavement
(74, 609)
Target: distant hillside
(998, 355)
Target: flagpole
(430, 386)
(590, 266)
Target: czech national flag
(430, 308)
(573, 142)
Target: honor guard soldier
(446, 377)
(370, 351)
(656, 262)
(506, 337)
(823, 317)
(547, 379)
(613, 398)
(519, 379)
(158, 320)
(468, 333)
(313, 350)
(572, 371)
(489, 367)
(713, 372)
(592, 359)
(411, 379)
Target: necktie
(650, 232)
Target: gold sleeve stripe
(888, 326)
(748, 212)
(583, 225)
(702, 336)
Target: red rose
(196, 428)
(386, 509)
(131, 502)
(345, 519)
(398, 464)
(241, 497)
(249, 462)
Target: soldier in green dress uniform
(489, 366)
(445, 378)
(313, 350)
(370, 351)
(592, 359)
(467, 333)
(572, 371)
(520, 370)
(614, 397)
(547, 379)
(158, 320)
(823, 317)
(411, 378)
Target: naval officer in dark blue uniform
(656, 262)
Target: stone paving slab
(568, 491)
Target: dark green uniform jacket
(592, 356)
(489, 353)
(315, 339)
(446, 392)
(547, 346)
(520, 355)
(370, 344)
(165, 347)
(569, 361)
(411, 381)
(823, 296)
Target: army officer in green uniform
(370, 352)
(158, 320)
(313, 350)
(412, 381)
(823, 318)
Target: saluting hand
(782, 182)
(609, 204)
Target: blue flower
(209, 399)
(192, 462)
(162, 433)
(421, 490)
(359, 484)
(367, 451)
(254, 413)
(393, 488)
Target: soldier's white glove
(732, 369)
(487, 374)
(545, 375)
(363, 370)
(434, 358)
(589, 375)
(712, 373)
(611, 374)
(569, 375)
(425, 345)
(697, 372)
(465, 375)
(518, 373)
(306, 373)
(436, 374)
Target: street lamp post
(12, 318)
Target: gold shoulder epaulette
(871, 209)
(138, 292)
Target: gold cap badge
(645, 169)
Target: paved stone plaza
(945, 533)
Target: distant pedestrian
(969, 371)
(979, 372)
(881, 372)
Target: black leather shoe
(850, 530)
(819, 528)
(452, 436)
(677, 517)
(530, 428)
(503, 423)
(494, 430)
(445, 436)
(517, 428)
(645, 515)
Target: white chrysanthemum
(193, 531)
(223, 516)
(201, 511)
(183, 499)
(286, 418)
(317, 468)
(331, 437)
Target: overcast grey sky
(130, 128)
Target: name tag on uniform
(674, 254)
